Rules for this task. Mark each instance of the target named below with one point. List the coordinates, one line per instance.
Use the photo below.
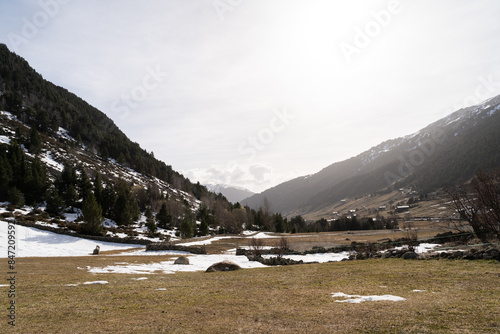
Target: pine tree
(98, 189)
(204, 217)
(15, 156)
(43, 120)
(5, 174)
(150, 221)
(69, 175)
(70, 196)
(279, 223)
(35, 143)
(126, 207)
(186, 227)
(108, 200)
(15, 197)
(92, 215)
(163, 218)
(55, 203)
(36, 183)
(84, 184)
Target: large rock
(223, 266)
(410, 255)
(181, 260)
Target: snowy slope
(31, 242)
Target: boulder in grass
(410, 255)
(181, 260)
(223, 266)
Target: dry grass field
(454, 297)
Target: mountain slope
(233, 194)
(38, 102)
(58, 151)
(448, 151)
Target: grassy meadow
(453, 297)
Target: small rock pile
(274, 261)
(392, 253)
(489, 253)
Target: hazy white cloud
(225, 70)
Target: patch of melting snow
(96, 282)
(4, 139)
(356, 299)
(262, 235)
(203, 242)
(197, 263)
(422, 248)
(143, 251)
(49, 160)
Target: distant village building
(381, 208)
(402, 208)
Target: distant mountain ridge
(233, 194)
(445, 152)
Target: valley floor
(123, 291)
(60, 295)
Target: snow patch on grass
(96, 282)
(356, 299)
(203, 242)
(262, 235)
(196, 263)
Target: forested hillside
(39, 103)
(59, 153)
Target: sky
(252, 93)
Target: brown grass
(459, 297)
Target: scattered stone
(223, 266)
(181, 260)
(410, 255)
(279, 261)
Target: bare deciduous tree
(256, 245)
(478, 203)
